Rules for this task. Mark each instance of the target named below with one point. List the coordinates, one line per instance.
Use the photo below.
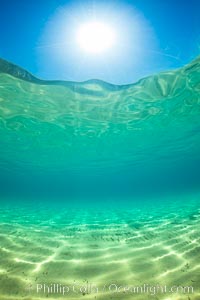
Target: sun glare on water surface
(95, 37)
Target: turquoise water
(99, 183)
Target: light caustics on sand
(123, 247)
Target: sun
(95, 37)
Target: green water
(67, 134)
(101, 181)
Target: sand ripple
(102, 247)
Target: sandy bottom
(139, 252)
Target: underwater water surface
(100, 184)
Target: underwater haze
(98, 136)
(100, 184)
